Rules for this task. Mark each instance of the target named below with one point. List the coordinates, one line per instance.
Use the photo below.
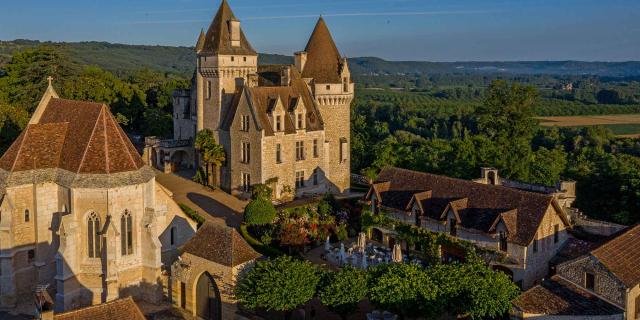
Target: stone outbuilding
(205, 275)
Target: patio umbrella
(397, 253)
(343, 255)
(364, 264)
(362, 241)
(327, 245)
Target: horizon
(393, 30)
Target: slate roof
(220, 244)
(521, 211)
(557, 296)
(217, 40)
(261, 100)
(621, 256)
(324, 62)
(124, 308)
(81, 137)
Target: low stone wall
(593, 226)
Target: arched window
(126, 233)
(93, 235)
(26, 215)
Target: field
(625, 125)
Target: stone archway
(208, 304)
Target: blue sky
(432, 30)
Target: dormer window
(278, 123)
(503, 241)
(300, 121)
(453, 228)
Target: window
(183, 295)
(452, 227)
(246, 152)
(208, 89)
(503, 241)
(31, 255)
(589, 281)
(126, 234)
(278, 123)
(535, 245)
(315, 177)
(299, 179)
(244, 126)
(315, 148)
(556, 229)
(172, 239)
(300, 123)
(93, 235)
(246, 182)
(343, 150)
(26, 215)
(345, 84)
(328, 87)
(233, 58)
(278, 153)
(244, 59)
(299, 150)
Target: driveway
(214, 205)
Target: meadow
(624, 125)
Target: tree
(280, 284)
(344, 289)
(401, 287)
(211, 153)
(259, 212)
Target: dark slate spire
(323, 58)
(218, 37)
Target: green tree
(343, 290)
(211, 153)
(259, 212)
(401, 287)
(280, 284)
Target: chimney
(300, 60)
(490, 176)
(252, 80)
(285, 76)
(234, 27)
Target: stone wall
(606, 285)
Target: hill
(122, 58)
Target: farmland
(627, 125)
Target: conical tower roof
(323, 58)
(218, 37)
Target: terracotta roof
(124, 308)
(559, 297)
(621, 256)
(484, 204)
(324, 62)
(261, 100)
(81, 137)
(220, 244)
(218, 37)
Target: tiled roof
(218, 37)
(124, 308)
(262, 98)
(81, 137)
(559, 297)
(324, 62)
(621, 256)
(220, 244)
(484, 204)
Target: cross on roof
(50, 79)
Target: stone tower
(224, 60)
(329, 78)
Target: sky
(424, 30)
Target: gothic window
(278, 153)
(343, 150)
(26, 215)
(93, 235)
(300, 179)
(126, 233)
(299, 150)
(556, 230)
(246, 182)
(245, 156)
(315, 148)
(208, 89)
(503, 241)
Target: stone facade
(221, 96)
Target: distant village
(251, 211)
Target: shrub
(192, 214)
(259, 212)
(343, 290)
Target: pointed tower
(327, 73)
(225, 59)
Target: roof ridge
(124, 143)
(86, 148)
(26, 132)
(106, 142)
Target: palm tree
(211, 153)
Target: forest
(447, 123)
